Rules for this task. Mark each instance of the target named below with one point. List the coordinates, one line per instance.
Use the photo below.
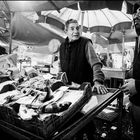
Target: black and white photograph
(70, 70)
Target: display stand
(73, 129)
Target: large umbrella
(102, 21)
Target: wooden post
(82, 20)
(123, 50)
(10, 31)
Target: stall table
(70, 131)
(114, 74)
(103, 102)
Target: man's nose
(75, 30)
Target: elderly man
(81, 64)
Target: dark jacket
(73, 61)
(136, 75)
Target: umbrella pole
(10, 31)
(123, 48)
(82, 20)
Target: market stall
(37, 105)
(35, 101)
(102, 102)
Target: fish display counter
(36, 105)
(41, 106)
(48, 120)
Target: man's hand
(101, 89)
(129, 87)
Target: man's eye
(72, 29)
(77, 28)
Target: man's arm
(137, 85)
(95, 63)
(98, 75)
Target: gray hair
(69, 22)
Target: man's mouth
(76, 35)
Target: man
(132, 85)
(80, 62)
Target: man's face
(137, 21)
(73, 31)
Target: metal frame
(70, 132)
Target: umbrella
(97, 38)
(128, 35)
(102, 21)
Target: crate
(48, 127)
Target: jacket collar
(73, 42)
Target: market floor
(5, 136)
(108, 130)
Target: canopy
(109, 23)
(30, 33)
(8, 7)
(131, 5)
(16, 6)
(98, 4)
(101, 20)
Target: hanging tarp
(97, 4)
(18, 6)
(31, 33)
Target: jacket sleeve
(137, 85)
(95, 63)
(98, 74)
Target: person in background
(103, 59)
(131, 86)
(110, 61)
(2, 51)
(81, 64)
